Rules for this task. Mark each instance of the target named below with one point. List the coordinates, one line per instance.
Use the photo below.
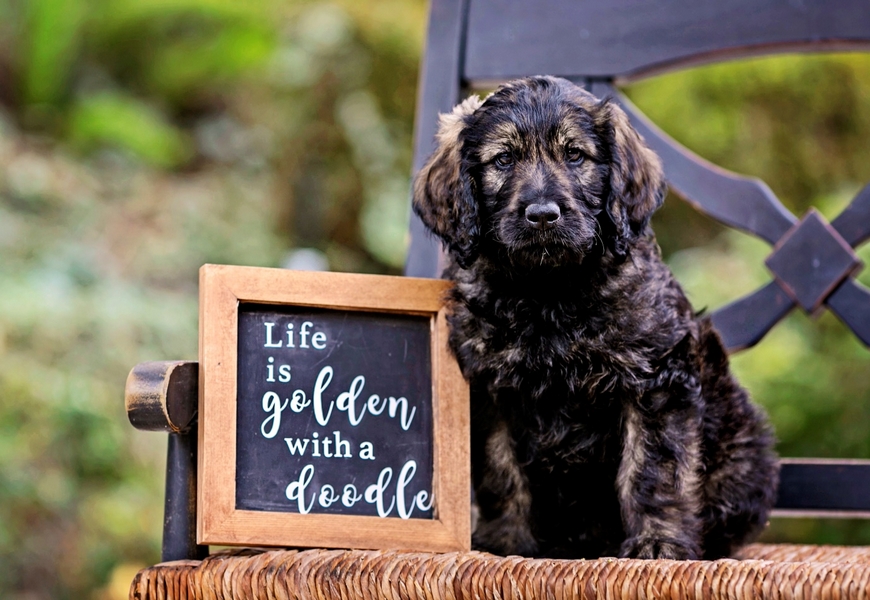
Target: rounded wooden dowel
(162, 395)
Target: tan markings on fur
(686, 485)
(440, 178)
(672, 523)
(632, 462)
(492, 180)
(538, 174)
(533, 175)
(563, 181)
(689, 475)
(475, 514)
(640, 183)
(450, 124)
(585, 174)
(476, 344)
(569, 133)
(514, 520)
(503, 138)
(736, 467)
(500, 450)
(625, 135)
(585, 100)
(663, 528)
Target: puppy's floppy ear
(637, 183)
(443, 195)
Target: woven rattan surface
(763, 571)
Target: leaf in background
(179, 49)
(123, 122)
(52, 36)
(207, 62)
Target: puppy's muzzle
(543, 216)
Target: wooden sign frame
(222, 289)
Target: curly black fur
(605, 420)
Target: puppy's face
(542, 171)
(538, 165)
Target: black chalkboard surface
(334, 412)
(331, 413)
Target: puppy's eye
(504, 160)
(574, 154)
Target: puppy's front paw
(500, 537)
(652, 547)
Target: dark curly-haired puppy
(605, 420)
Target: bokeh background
(140, 139)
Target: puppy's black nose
(542, 216)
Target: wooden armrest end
(162, 395)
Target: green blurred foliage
(140, 139)
(122, 121)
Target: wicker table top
(762, 571)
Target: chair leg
(179, 517)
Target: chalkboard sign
(325, 424)
(331, 412)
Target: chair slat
(438, 91)
(624, 38)
(815, 486)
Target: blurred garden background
(140, 139)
